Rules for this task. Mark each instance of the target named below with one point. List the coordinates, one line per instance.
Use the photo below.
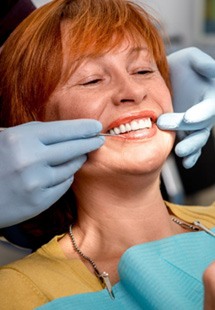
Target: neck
(130, 210)
(114, 216)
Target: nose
(128, 89)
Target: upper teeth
(133, 125)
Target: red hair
(32, 63)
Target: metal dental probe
(100, 134)
(106, 134)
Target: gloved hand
(38, 162)
(193, 80)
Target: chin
(144, 164)
(133, 158)
(151, 155)
(137, 162)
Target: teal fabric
(164, 274)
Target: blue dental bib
(163, 274)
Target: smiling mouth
(134, 125)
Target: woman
(192, 62)
(101, 60)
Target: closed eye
(142, 72)
(95, 81)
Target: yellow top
(47, 274)
(192, 213)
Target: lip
(137, 136)
(132, 116)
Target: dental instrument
(107, 134)
(100, 134)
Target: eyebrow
(137, 50)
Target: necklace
(102, 276)
(185, 225)
(195, 226)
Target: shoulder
(48, 254)
(19, 280)
(46, 274)
(206, 214)
(18, 291)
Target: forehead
(122, 55)
(97, 43)
(127, 46)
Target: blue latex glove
(38, 162)
(193, 81)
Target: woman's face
(124, 90)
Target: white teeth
(142, 123)
(116, 131)
(122, 128)
(133, 125)
(146, 123)
(127, 127)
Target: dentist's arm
(193, 80)
(38, 162)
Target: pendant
(104, 277)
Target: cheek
(167, 102)
(162, 96)
(63, 107)
(73, 104)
